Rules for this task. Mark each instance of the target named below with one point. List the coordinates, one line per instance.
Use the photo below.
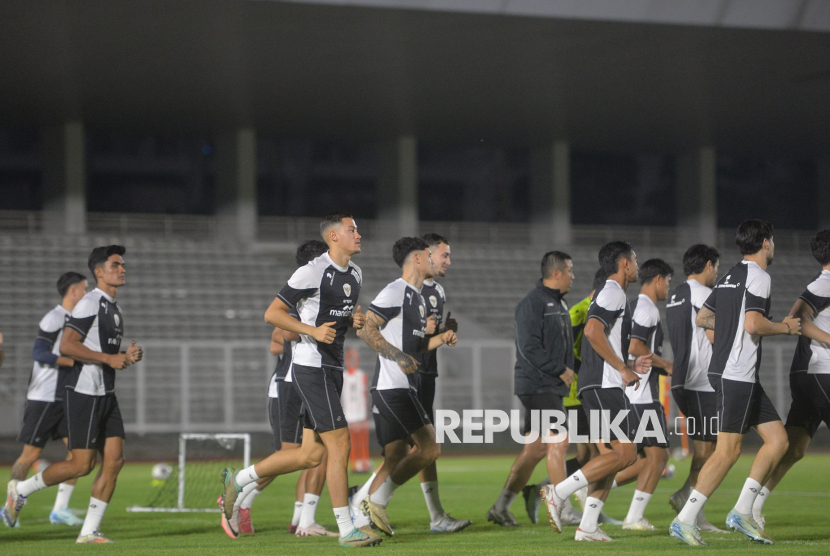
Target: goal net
(195, 484)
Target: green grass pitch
(797, 518)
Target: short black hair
(653, 268)
(332, 219)
(820, 244)
(696, 257)
(67, 280)
(100, 255)
(310, 250)
(611, 253)
(599, 279)
(406, 245)
(435, 239)
(553, 260)
(751, 235)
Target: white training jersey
(645, 326)
(44, 383)
(810, 355)
(610, 306)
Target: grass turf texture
(796, 518)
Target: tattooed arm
(705, 318)
(370, 333)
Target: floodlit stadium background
(208, 138)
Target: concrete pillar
(397, 189)
(697, 210)
(550, 194)
(823, 201)
(64, 179)
(236, 178)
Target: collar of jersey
(334, 264)
(105, 294)
(543, 287)
(647, 298)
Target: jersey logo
(433, 301)
(117, 319)
(347, 289)
(421, 309)
(674, 303)
(726, 284)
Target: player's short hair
(100, 255)
(820, 244)
(67, 280)
(331, 220)
(696, 257)
(599, 279)
(434, 240)
(552, 261)
(611, 253)
(653, 268)
(310, 250)
(406, 245)
(751, 235)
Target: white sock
(505, 500)
(361, 519)
(430, 490)
(694, 504)
(248, 502)
(361, 495)
(309, 510)
(384, 493)
(344, 520)
(62, 499)
(590, 514)
(30, 486)
(571, 485)
(298, 511)
(94, 515)
(758, 505)
(638, 506)
(246, 491)
(614, 484)
(748, 495)
(246, 476)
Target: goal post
(194, 484)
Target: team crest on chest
(347, 289)
(117, 319)
(422, 310)
(433, 301)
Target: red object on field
(356, 405)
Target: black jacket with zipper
(544, 343)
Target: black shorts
(42, 421)
(398, 414)
(580, 424)
(638, 410)
(614, 401)
(701, 412)
(539, 402)
(811, 401)
(286, 415)
(91, 420)
(741, 405)
(425, 385)
(320, 388)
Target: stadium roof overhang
(317, 70)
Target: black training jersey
(323, 292)
(690, 345)
(48, 382)
(646, 327)
(405, 313)
(98, 319)
(434, 295)
(610, 306)
(737, 354)
(810, 355)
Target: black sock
(572, 466)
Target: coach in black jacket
(543, 374)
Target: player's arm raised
(277, 315)
(370, 334)
(802, 310)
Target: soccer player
(647, 339)
(605, 372)
(92, 338)
(692, 349)
(809, 372)
(543, 376)
(324, 293)
(741, 302)
(44, 416)
(397, 328)
(286, 412)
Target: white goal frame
(183, 438)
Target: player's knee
(115, 464)
(625, 459)
(432, 452)
(312, 458)
(780, 445)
